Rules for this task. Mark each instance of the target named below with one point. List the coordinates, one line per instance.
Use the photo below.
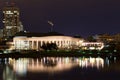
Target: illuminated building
(117, 37)
(92, 45)
(11, 21)
(35, 43)
(1, 33)
(63, 42)
(105, 38)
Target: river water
(60, 68)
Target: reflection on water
(52, 64)
(19, 66)
(91, 62)
(3, 60)
(8, 74)
(13, 69)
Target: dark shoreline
(55, 54)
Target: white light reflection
(52, 64)
(19, 66)
(91, 62)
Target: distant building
(105, 38)
(63, 42)
(1, 33)
(21, 26)
(92, 45)
(11, 21)
(35, 43)
(117, 37)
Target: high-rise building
(11, 21)
(1, 33)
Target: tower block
(11, 20)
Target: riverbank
(58, 54)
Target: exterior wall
(105, 38)
(108, 38)
(21, 43)
(35, 43)
(11, 21)
(92, 45)
(1, 33)
(117, 37)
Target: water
(60, 68)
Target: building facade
(11, 21)
(63, 42)
(1, 33)
(35, 43)
(92, 45)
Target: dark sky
(71, 17)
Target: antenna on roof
(51, 24)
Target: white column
(32, 44)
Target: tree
(49, 46)
(91, 39)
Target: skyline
(88, 17)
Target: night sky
(70, 17)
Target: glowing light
(50, 64)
